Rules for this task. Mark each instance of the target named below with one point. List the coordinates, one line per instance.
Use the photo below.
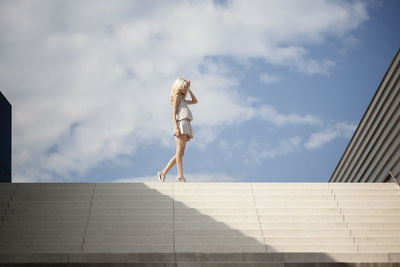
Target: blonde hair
(177, 87)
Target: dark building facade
(373, 153)
(5, 139)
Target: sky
(281, 85)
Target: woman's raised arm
(194, 99)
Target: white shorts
(185, 128)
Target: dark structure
(5, 139)
(373, 153)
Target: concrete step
(163, 240)
(43, 224)
(296, 204)
(130, 219)
(215, 211)
(372, 218)
(300, 218)
(233, 248)
(292, 192)
(212, 191)
(370, 211)
(217, 225)
(40, 240)
(378, 248)
(196, 240)
(261, 218)
(33, 232)
(374, 225)
(129, 240)
(295, 186)
(217, 232)
(365, 192)
(291, 197)
(142, 186)
(375, 232)
(133, 248)
(116, 232)
(215, 218)
(215, 204)
(309, 240)
(58, 191)
(213, 198)
(259, 211)
(45, 218)
(377, 240)
(204, 259)
(138, 211)
(143, 198)
(131, 204)
(292, 259)
(256, 197)
(63, 197)
(367, 197)
(344, 248)
(294, 233)
(39, 248)
(266, 248)
(298, 211)
(48, 211)
(130, 225)
(303, 225)
(369, 204)
(266, 204)
(54, 186)
(5, 197)
(49, 204)
(362, 185)
(201, 218)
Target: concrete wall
(5, 139)
(374, 149)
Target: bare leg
(180, 150)
(170, 164)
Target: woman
(181, 116)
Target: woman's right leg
(180, 150)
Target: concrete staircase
(200, 224)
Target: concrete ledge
(33, 257)
(122, 257)
(198, 257)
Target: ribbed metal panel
(374, 148)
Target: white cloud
(258, 151)
(270, 78)
(341, 129)
(271, 115)
(90, 80)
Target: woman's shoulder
(176, 99)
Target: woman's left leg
(180, 150)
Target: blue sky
(281, 85)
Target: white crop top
(183, 111)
